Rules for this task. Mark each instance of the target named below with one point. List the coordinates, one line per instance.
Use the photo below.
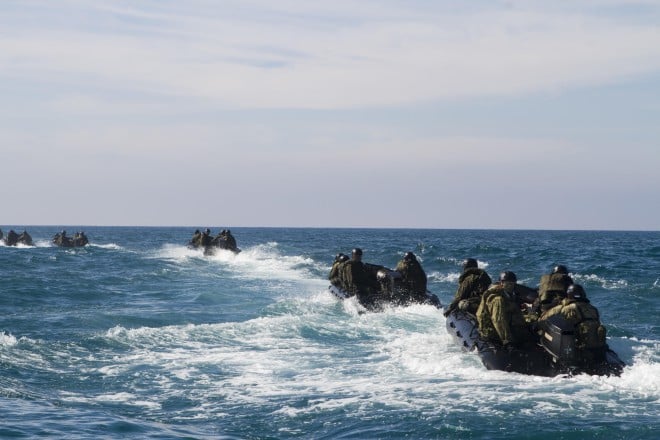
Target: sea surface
(138, 336)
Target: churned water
(138, 336)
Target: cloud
(332, 56)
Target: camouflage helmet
(576, 291)
(469, 263)
(560, 268)
(508, 276)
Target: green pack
(486, 327)
(590, 335)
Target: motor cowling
(558, 339)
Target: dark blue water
(138, 336)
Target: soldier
(413, 277)
(355, 279)
(12, 238)
(230, 240)
(472, 283)
(499, 316)
(334, 277)
(25, 238)
(205, 239)
(196, 238)
(552, 289)
(589, 332)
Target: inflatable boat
(390, 291)
(554, 354)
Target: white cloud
(341, 56)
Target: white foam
(261, 262)
(112, 246)
(178, 253)
(451, 277)
(314, 347)
(605, 283)
(7, 339)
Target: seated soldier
(472, 283)
(196, 239)
(589, 332)
(206, 239)
(552, 289)
(355, 279)
(12, 238)
(413, 277)
(499, 316)
(231, 241)
(25, 238)
(333, 276)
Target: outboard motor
(558, 339)
(390, 282)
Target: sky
(385, 114)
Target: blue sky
(431, 114)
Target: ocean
(138, 336)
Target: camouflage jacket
(471, 284)
(589, 332)
(500, 318)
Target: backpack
(483, 315)
(589, 334)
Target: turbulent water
(136, 335)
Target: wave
(263, 261)
(318, 349)
(451, 277)
(111, 246)
(7, 339)
(604, 283)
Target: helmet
(208, 231)
(357, 251)
(343, 258)
(560, 268)
(576, 291)
(338, 256)
(508, 276)
(409, 256)
(469, 263)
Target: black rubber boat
(390, 292)
(552, 356)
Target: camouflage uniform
(413, 277)
(205, 239)
(500, 319)
(472, 283)
(196, 239)
(552, 289)
(335, 273)
(589, 333)
(354, 277)
(231, 241)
